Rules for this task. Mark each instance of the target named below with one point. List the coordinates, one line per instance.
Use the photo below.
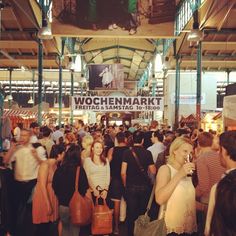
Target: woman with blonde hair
(87, 142)
(175, 191)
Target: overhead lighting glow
(158, 63)
(77, 67)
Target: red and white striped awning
(19, 112)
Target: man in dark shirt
(148, 134)
(137, 186)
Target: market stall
(229, 112)
(20, 116)
(190, 121)
(212, 121)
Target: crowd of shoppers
(118, 162)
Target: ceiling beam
(17, 18)
(117, 57)
(115, 46)
(221, 5)
(18, 44)
(29, 63)
(208, 12)
(219, 27)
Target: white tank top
(180, 214)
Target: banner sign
(188, 99)
(117, 103)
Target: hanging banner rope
(117, 103)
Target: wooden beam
(229, 37)
(18, 44)
(19, 51)
(208, 12)
(28, 63)
(17, 19)
(33, 52)
(37, 11)
(219, 27)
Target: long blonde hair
(87, 141)
(176, 144)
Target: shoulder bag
(142, 170)
(143, 225)
(102, 219)
(80, 207)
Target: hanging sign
(117, 103)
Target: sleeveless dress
(39, 204)
(180, 214)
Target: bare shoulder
(164, 169)
(164, 173)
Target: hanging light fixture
(195, 35)
(45, 32)
(31, 101)
(8, 98)
(71, 64)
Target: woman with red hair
(97, 169)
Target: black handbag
(143, 225)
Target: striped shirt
(209, 172)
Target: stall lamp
(31, 101)
(8, 98)
(71, 66)
(45, 33)
(195, 35)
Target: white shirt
(26, 167)
(56, 135)
(155, 149)
(41, 151)
(97, 174)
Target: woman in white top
(175, 190)
(97, 169)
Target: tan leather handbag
(81, 208)
(102, 219)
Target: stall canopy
(218, 116)
(19, 112)
(189, 119)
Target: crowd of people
(104, 14)
(192, 171)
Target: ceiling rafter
(120, 46)
(230, 6)
(17, 19)
(208, 13)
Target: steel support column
(10, 90)
(72, 94)
(1, 115)
(177, 91)
(40, 80)
(60, 92)
(228, 72)
(199, 84)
